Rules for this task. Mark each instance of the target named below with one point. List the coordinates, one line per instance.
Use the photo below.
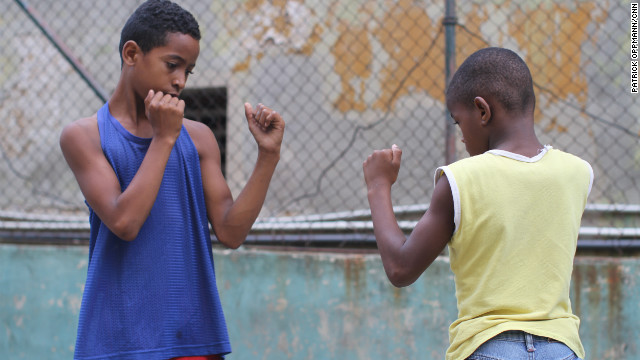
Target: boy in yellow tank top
(510, 215)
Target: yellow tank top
(516, 228)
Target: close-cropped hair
(494, 73)
(152, 21)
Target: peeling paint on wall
(331, 67)
(602, 292)
(549, 35)
(307, 305)
(414, 43)
(286, 24)
(380, 64)
(552, 36)
(353, 56)
(19, 301)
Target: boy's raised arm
(232, 220)
(404, 260)
(123, 213)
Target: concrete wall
(331, 67)
(307, 305)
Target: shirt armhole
(590, 177)
(454, 193)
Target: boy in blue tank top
(153, 183)
(510, 215)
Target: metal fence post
(450, 20)
(64, 50)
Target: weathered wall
(382, 60)
(332, 68)
(306, 305)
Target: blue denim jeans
(517, 345)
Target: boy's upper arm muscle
(80, 145)
(434, 230)
(217, 194)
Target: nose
(179, 82)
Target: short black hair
(496, 73)
(149, 25)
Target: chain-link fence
(348, 76)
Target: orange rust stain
(309, 46)
(577, 287)
(549, 35)
(470, 40)
(553, 125)
(281, 25)
(552, 35)
(399, 296)
(406, 33)
(615, 305)
(354, 268)
(280, 22)
(243, 65)
(353, 58)
(415, 46)
(595, 294)
(252, 5)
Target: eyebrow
(179, 58)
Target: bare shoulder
(80, 128)
(81, 134)
(201, 136)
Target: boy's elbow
(399, 277)
(230, 242)
(126, 235)
(233, 246)
(400, 282)
(230, 238)
(125, 230)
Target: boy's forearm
(245, 209)
(389, 236)
(133, 206)
(385, 226)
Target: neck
(129, 109)
(518, 137)
(125, 105)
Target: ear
(483, 107)
(130, 52)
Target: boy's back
(510, 215)
(517, 221)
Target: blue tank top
(154, 297)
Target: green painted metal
(40, 294)
(307, 305)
